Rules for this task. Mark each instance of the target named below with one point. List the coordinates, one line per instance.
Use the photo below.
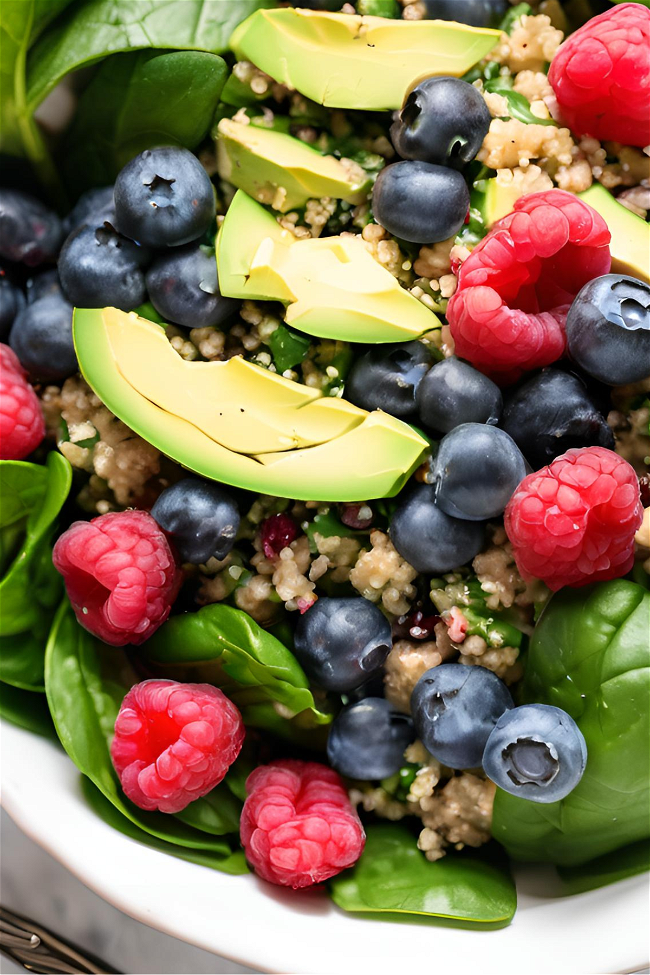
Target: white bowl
(249, 921)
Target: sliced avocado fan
(238, 423)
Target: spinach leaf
(29, 711)
(513, 15)
(136, 101)
(288, 348)
(92, 29)
(590, 655)
(518, 104)
(631, 860)
(216, 813)
(394, 878)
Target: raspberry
(574, 521)
(21, 421)
(120, 574)
(277, 532)
(298, 826)
(601, 76)
(174, 742)
(515, 288)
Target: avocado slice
(332, 287)
(279, 170)
(630, 243)
(175, 406)
(496, 201)
(348, 61)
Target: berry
(536, 752)
(184, 289)
(552, 412)
(455, 708)
(476, 13)
(453, 392)
(476, 471)
(420, 202)
(21, 422)
(430, 540)
(277, 532)
(120, 575)
(12, 300)
(443, 120)
(367, 739)
(298, 826)
(386, 378)
(601, 76)
(574, 521)
(29, 231)
(174, 742)
(342, 642)
(201, 518)
(608, 329)
(46, 284)
(100, 267)
(514, 289)
(164, 198)
(41, 337)
(94, 207)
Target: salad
(325, 531)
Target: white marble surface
(33, 884)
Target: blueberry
(476, 471)
(420, 202)
(454, 709)
(536, 752)
(552, 412)
(201, 517)
(387, 376)
(453, 392)
(93, 207)
(342, 642)
(608, 329)
(44, 285)
(29, 231)
(41, 337)
(476, 13)
(164, 198)
(443, 120)
(367, 739)
(431, 541)
(12, 301)
(100, 267)
(183, 287)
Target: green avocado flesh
(238, 423)
(348, 61)
(332, 287)
(279, 170)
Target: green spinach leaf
(29, 711)
(394, 878)
(216, 813)
(618, 865)
(518, 104)
(288, 348)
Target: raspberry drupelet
(573, 522)
(22, 427)
(120, 574)
(298, 826)
(515, 289)
(174, 742)
(601, 76)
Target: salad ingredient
(367, 739)
(94, 207)
(120, 575)
(601, 76)
(607, 869)
(174, 742)
(277, 532)
(420, 202)
(608, 329)
(509, 309)
(30, 233)
(12, 300)
(22, 427)
(44, 284)
(552, 412)
(536, 751)
(319, 55)
(476, 13)
(41, 337)
(453, 392)
(387, 378)
(298, 827)
(201, 518)
(630, 243)
(573, 522)
(590, 656)
(183, 287)
(342, 642)
(430, 540)
(443, 121)
(454, 710)
(98, 267)
(164, 197)
(475, 471)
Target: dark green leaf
(518, 104)
(288, 348)
(329, 525)
(393, 877)
(514, 14)
(136, 101)
(216, 813)
(27, 710)
(627, 862)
